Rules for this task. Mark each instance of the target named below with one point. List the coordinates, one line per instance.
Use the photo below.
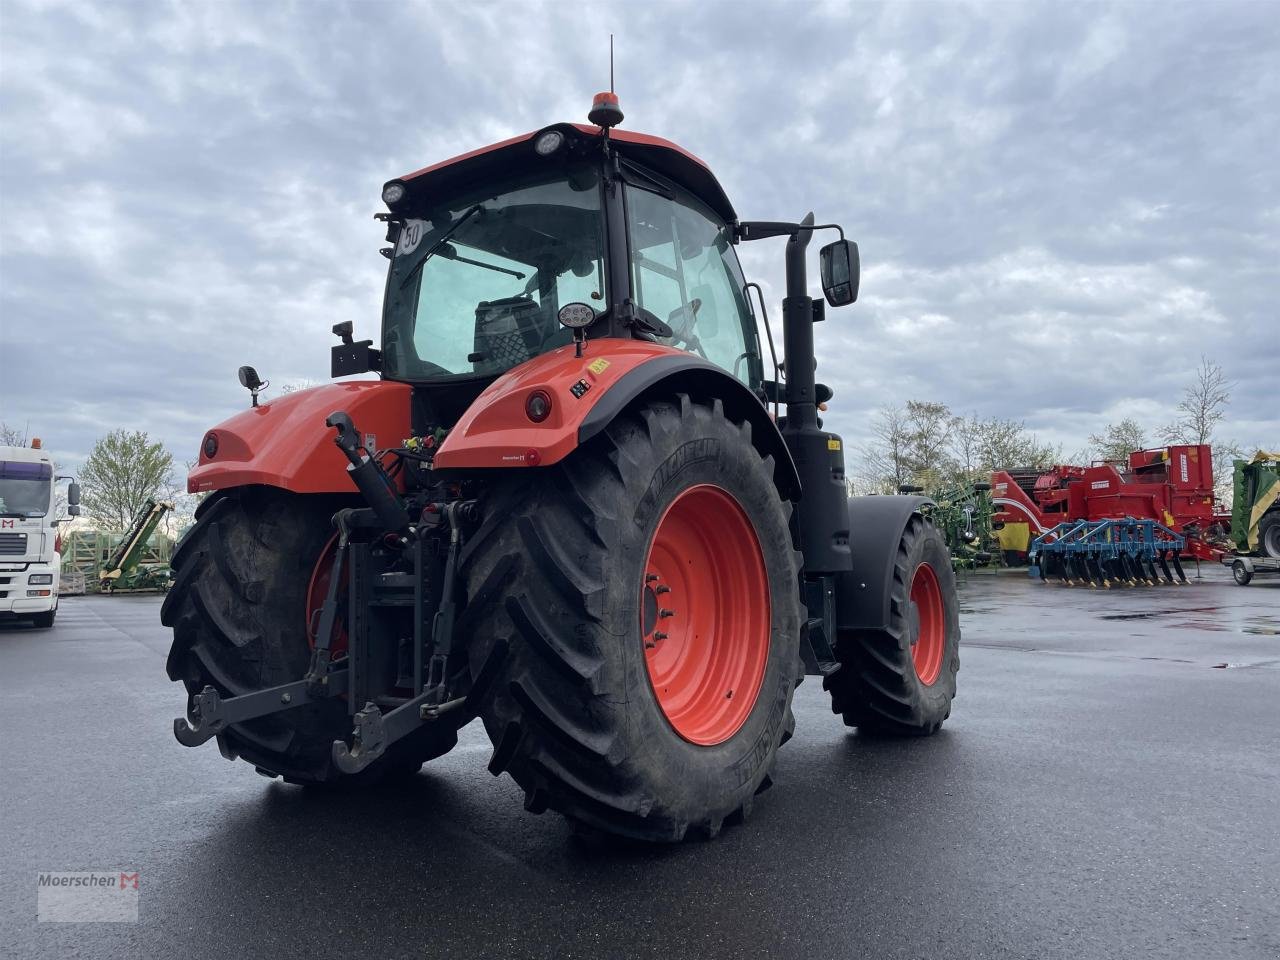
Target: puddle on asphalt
(1149, 614)
(1238, 666)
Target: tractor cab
(489, 248)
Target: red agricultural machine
(1169, 491)
(564, 508)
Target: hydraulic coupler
(370, 479)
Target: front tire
(648, 589)
(238, 608)
(44, 619)
(901, 680)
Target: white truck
(29, 558)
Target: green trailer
(1255, 517)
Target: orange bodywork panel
(496, 431)
(285, 443)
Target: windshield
(25, 490)
(476, 285)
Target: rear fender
(286, 444)
(587, 393)
(876, 525)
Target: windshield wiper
(449, 252)
(431, 251)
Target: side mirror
(73, 509)
(73, 496)
(840, 269)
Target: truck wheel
(647, 588)
(44, 619)
(1269, 533)
(1241, 573)
(902, 680)
(239, 612)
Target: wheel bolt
(659, 636)
(650, 577)
(666, 613)
(662, 589)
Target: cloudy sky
(1060, 207)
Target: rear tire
(560, 569)
(1241, 573)
(238, 612)
(901, 680)
(1269, 533)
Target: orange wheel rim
(705, 615)
(318, 590)
(929, 623)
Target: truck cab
(29, 544)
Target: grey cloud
(1060, 207)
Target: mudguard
(875, 528)
(586, 393)
(285, 443)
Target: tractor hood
(286, 444)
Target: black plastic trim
(673, 374)
(875, 528)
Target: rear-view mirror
(840, 269)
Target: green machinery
(136, 561)
(1255, 517)
(125, 569)
(963, 513)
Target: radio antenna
(611, 90)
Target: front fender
(876, 525)
(285, 443)
(586, 394)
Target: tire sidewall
(718, 456)
(933, 700)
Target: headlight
(38, 578)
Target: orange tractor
(564, 508)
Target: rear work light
(210, 445)
(538, 406)
(548, 143)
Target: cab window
(684, 271)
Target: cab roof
(654, 153)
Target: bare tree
(1203, 406)
(1118, 440)
(11, 436)
(1007, 443)
(930, 425)
(887, 458)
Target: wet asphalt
(1108, 786)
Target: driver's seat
(507, 333)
